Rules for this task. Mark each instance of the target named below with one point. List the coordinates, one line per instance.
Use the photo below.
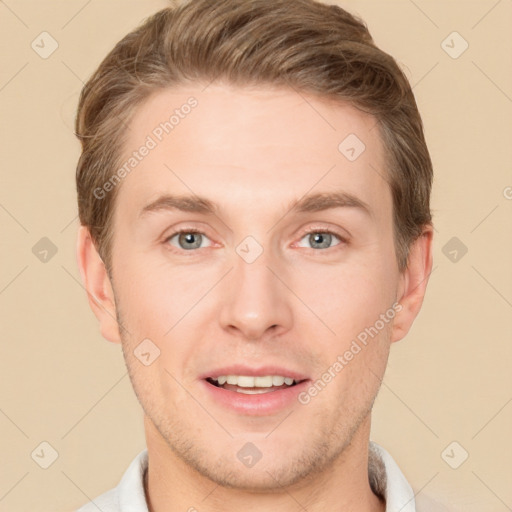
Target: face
(249, 243)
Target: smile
(252, 385)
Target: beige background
(449, 380)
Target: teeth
(277, 380)
(245, 381)
(253, 391)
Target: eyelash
(342, 239)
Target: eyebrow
(306, 204)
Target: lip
(255, 405)
(254, 372)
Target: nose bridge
(256, 301)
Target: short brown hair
(303, 44)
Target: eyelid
(343, 236)
(171, 231)
(324, 229)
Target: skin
(252, 152)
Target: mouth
(250, 391)
(253, 385)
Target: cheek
(163, 303)
(155, 294)
(362, 362)
(347, 298)
(351, 303)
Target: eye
(188, 240)
(321, 239)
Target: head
(292, 147)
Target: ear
(413, 283)
(97, 284)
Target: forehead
(256, 143)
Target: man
(254, 194)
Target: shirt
(385, 477)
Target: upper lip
(254, 372)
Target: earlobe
(98, 286)
(413, 283)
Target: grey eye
(320, 240)
(188, 240)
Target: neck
(172, 485)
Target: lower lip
(256, 405)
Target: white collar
(388, 481)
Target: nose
(255, 303)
